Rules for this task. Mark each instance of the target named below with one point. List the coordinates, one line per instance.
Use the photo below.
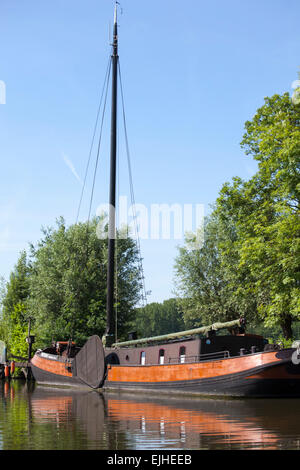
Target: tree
(266, 210)
(17, 330)
(2, 296)
(14, 308)
(249, 262)
(68, 283)
(209, 286)
(158, 319)
(17, 289)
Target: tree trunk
(286, 326)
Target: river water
(40, 418)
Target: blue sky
(193, 73)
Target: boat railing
(201, 357)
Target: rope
(99, 145)
(93, 138)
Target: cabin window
(161, 356)
(182, 354)
(143, 358)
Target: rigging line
(144, 296)
(96, 163)
(98, 150)
(93, 138)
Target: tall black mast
(110, 322)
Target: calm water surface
(36, 417)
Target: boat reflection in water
(122, 422)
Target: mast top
(115, 32)
(115, 14)
(116, 11)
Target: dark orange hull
(264, 374)
(86, 368)
(53, 371)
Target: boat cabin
(197, 349)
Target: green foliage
(158, 319)
(63, 288)
(2, 297)
(14, 318)
(17, 289)
(208, 285)
(17, 329)
(68, 283)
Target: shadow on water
(36, 417)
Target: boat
(193, 362)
